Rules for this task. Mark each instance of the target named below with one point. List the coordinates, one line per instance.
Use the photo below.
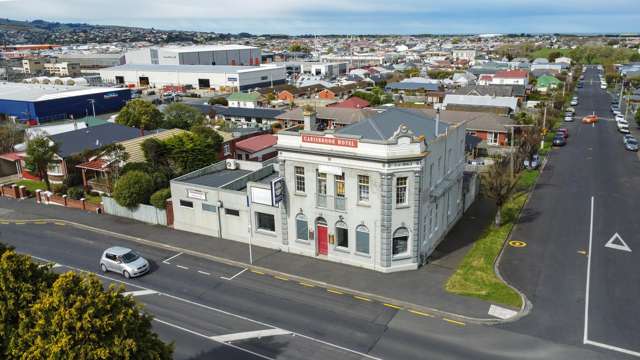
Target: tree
(181, 116)
(22, 283)
(218, 101)
(496, 184)
(140, 114)
(155, 152)
(118, 155)
(188, 152)
(40, 153)
(637, 117)
(159, 198)
(10, 135)
(133, 188)
(530, 139)
(78, 319)
(554, 55)
(209, 133)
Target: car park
(631, 144)
(123, 261)
(559, 140)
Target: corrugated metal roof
(134, 146)
(77, 141)
(495, 101)
(384, 125)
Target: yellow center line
(281, 278)
(59, 223)
(393, 306)
(335, 291)
(20, 223)
(306, 284)
(4, 222)
(361, 298)
(40, 222)
(420, 313)
(454, 322)
(257, 272)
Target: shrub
(136, 166)
(59, 189)
(159, 198)
(133, 188)
(75, 193)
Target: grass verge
(32, 185)
(475, 275)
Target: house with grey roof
(497, 104)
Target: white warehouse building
(196, 76)
(196, 55)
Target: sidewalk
(423, 287)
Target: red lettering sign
(352, 143)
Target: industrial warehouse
(196, 55)
(379, 194)
(41, 103)
(209, 77)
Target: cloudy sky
(342, 16)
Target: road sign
(617, 243)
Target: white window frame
(493, 138)
(364, 192)
(302, 217)
(258, 222)
(226, 149)
(365, 230)
(342, 225)
(395, 235)
(299, 179)
(402, 189)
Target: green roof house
(245, 100)
(547, 82)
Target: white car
(574, 102)
(620, 117)
(568, 118)
(623, 128)
(123, 261)
(603, 86)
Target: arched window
(400, 241)
(302, 227)
(362, 239)
(342, 235)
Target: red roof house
(257, 148)
(353, 102)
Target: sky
(342, 16)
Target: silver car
(123, 261)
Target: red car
(564, 131)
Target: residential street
(558, 225)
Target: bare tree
(496, 184)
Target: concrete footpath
(423, 287)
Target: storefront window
(342, 235)
(362, 239)
(302, 227)
(400, 241)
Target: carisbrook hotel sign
(352, 143)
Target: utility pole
(544, 126)
(621, 92)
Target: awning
(12, 156)
(97, 165)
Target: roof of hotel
(218, 178)
(384, 125)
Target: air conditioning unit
(232, 164)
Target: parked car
(563, 131)
(627, 137)
(532, 164)
(123, 261)
(559, 140)
(623, 128)
(580, 84)
(571, 110)
(574, 102)
(615, 108)
(631, 145)
(620, 118)
(603, 86)
(568, 118)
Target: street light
(512, 147)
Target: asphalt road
(559, 226)
(193, 305)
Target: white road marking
(617, 243)
(501, 313)
(210, 338)
(182, 267)
(586, 299)
(204, 272)
(221, 312)
(234, 276)
(139, 293)
(171, 258)
(249, 335)
(612, 348)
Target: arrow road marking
(617, 243)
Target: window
(362, 239)
(299, 171)
(492, 138)
(339, 185)
(342, 235)
(401, 190)
(54, 168)
(185, 203)
(322, 183)
(266, 222)
(431, 176)
(110, 257)
(450, 160)
(302, 227)
(208, 207)
(227, 149)
(400, 242)
(363, 188)
(232, 212)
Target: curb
(395, 303)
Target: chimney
(309, 115)
(437, 121)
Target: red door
(323, 241)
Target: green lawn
(94, 199)
(32, 185)
(475, 276)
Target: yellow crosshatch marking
(517, 243)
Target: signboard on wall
(277, 190)
(314, 139)
(196, 194)
(261, 196)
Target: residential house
(517, 91)
(244, 100)
(546, 82)
(353, 102)
(257, 148)
(99, 173)
(231, 138)
(464, 79)
(496, 104)
(511, 77)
